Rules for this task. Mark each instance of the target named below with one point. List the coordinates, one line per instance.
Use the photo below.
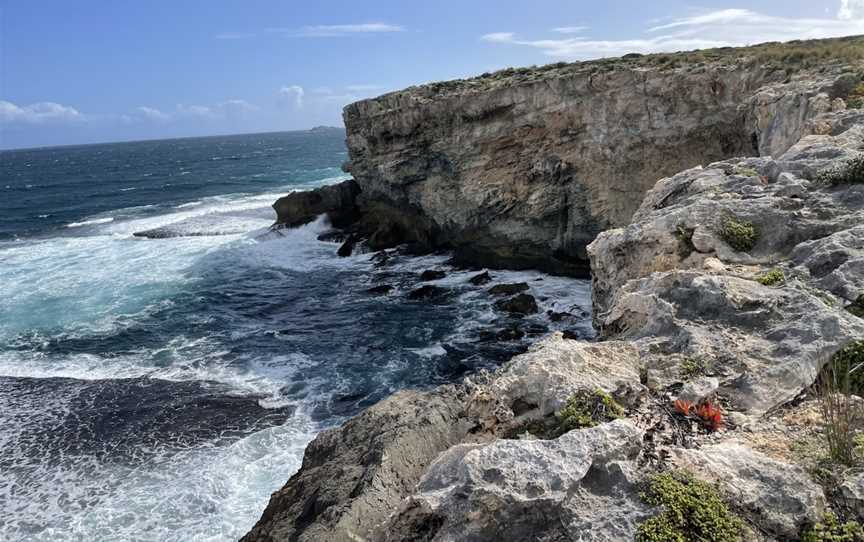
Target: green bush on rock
(850, 171)
(771, 278)
(831, 530)
(587, 409)
(692, 510)
(740, 235)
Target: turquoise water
(161, 389)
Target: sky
(89, 71)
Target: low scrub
(850, 171)
(587, 409)
(739, 234)
(692, 510)
(773, 277)
(831, 530)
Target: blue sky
(88, 71)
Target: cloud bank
(720, 28)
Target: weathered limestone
(526, 172)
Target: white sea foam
(90, 222)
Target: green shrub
(842, 377)
(850, 171)
(587, 409)
(740, 235)
(692, 367)
(771, 278)
(831, 530)
(692, 510)
(746, 171)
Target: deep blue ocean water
(161, 389)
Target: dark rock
(380, 290)
(347, 247)
(857, 307)
(508, 289)
(510, 334)
(427, 292)
(337, 201)
(558, 316)
(521, 304)
(480, 279)
(536, 329)
(573, 334)
(432, 274)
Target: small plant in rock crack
(587, 409)
(773, 277)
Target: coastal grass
(840, 381)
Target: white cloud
(850, 9)
(570, 29)
(153, 114)
(195, 111)
(236, 108)
(38, 113)
(295, 93)
(728, 27)
(335, 30)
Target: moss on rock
(739, 234)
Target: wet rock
(558, 316)
(508, 289)
(380, 290)
(347, 248)
(428, 292)
(480, 279)
(334, 236)
(521, 304)
(336, 201)
(572, 334)
(432, 274)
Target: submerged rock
(520, 304)
(428, 292)
(480, 279)
(380, 290)
(508, 289)
(432, 274)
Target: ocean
(161, 388)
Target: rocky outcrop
(525, 169)
(337, 201)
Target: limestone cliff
(681, 304)
(525, 168)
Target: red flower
(711, 416)
(683, 406)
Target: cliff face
(524, 170)
(684, 313)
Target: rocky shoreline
(727, 285)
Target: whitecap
(90, 222)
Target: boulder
(480, 279)
(428, 292)
(432, 274)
